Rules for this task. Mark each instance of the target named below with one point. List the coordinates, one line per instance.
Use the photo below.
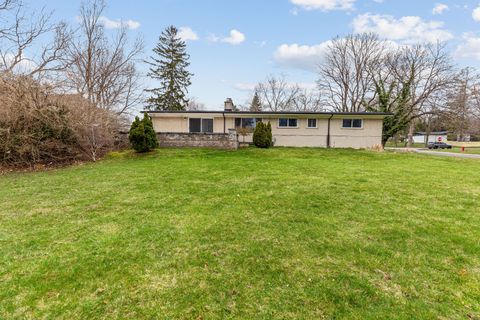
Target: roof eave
(266, 113)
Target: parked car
(439, 145)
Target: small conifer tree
(269, 134)
(261, 136)
(256, 105)
(142, 136)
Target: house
(421, 137)
(289, 129)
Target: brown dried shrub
(41, 126)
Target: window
(207, 125)
(352, 123)
(247, 122)
(312, 123)
(201, 125)
(195, 125)
(250, 123)
(287, 123)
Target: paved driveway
(437, 153)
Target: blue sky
(233, 44)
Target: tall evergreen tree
(169, 66)
(256, 105)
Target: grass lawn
(471, 150)
(391, 144)
(253, 234)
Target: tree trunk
(411, 131)
(427, 136)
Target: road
(437, 153)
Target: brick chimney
(229, 104)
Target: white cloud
(378, 1)
(301, 56)
(235, 37)
(116, 24)
(408, 29)
(187, 34)
(469, 48)
(476, 14)
(307, 57)
(324, 5)
(439, 8)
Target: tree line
(418, 84)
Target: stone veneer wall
(227, 141)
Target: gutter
(224, 124)
(328, 132)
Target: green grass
(391, 144)
(470, 150)
(252, 234)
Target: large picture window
(287, 123)
(249, 123)
(352, 123)
(200, 125)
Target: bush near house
(40, 126)
(142, 136)
(262, 135)
(269, 133)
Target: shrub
(269, 133)
(41, 126)
(32, 129)
(244, 132)
(142, 136)
(262, 136)
(95, 129)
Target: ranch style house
(289, 129)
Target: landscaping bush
(269, 133)
(262, 136)
(142, 136)
(40, 126)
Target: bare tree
(462, 105)
(20, 33)
(307, 101)
(276, 94)
(344, 80)
(428, 70)
(475, 92)
(103, 70)
(194, 105)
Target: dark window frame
(312, 127)
(202, 125)
(288, 123)
(352, 123)
(242, 124)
